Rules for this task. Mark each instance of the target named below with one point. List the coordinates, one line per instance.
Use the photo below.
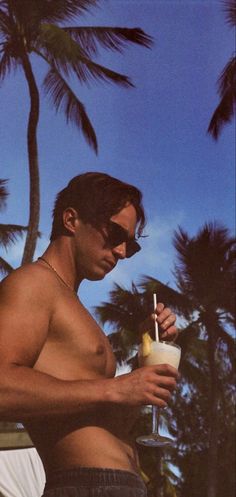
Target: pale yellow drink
(162, 353)
(159, 353)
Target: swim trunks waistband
(82, 476)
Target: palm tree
(204, 274)
(8, 232)
(30, 28)
(191, 422)
(226, 84)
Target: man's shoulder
(25, 273)
(29, 280)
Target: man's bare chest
(76, 347)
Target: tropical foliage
(204, 299)
(8, 232)
(225, 110)
(32, 28)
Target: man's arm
(26, 307)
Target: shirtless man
(56, 365)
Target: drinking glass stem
(155, 419)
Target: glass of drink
(158, 353)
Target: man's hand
(145, 386)
(166, 321)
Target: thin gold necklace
(58, 275)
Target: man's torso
(77, 349)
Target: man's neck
(59, 255)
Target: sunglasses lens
(118, 235)
(132, 247)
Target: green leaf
(65, 99)
(66, 55)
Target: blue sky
(153, 136)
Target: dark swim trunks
(94, 482)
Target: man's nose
(120, 250)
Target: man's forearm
(29, 394)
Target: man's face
(97, 252)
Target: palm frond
(228, 340)
(205, 264)
(224, 112)
(188, 337)
(63, 10)
(85, 69)
(35, 11)
(110, 313)
(66, 55)
(57, 45)
(193, 376)
(123, 343)
(5, 267)
(3, 193)
(6, 64)
(5, 23)
(223, 115)
(230, 11)
(227, 79)
(111, 38)
(65, 99)
(166, 294)
(125, 311)
(9, 233)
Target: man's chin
(97, 275)
(98, 272)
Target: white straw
(156, 323)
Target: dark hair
(96, 197)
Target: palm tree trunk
(34, 200)
(213, 417)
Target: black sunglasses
(116, 235)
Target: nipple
(100, 349)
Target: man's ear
(70, 219)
